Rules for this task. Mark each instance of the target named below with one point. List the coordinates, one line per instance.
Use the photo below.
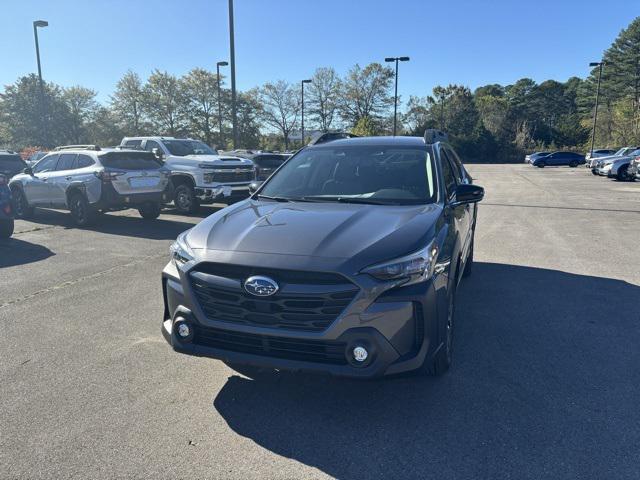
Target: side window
(47, 164)
(150, 145)
(447, 173)
(66, 161)
(133, 143)
(84, 161)
(461, 172)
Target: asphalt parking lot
(545, 381)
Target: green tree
(200, 96)
(82, 106)
(280, 107)
(322, 97)
(163, 100)
(126, 103)
(365, 92)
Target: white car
(595, 162)
(198, 173)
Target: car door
(60, 179)
(36, 187)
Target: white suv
(86, 179)
(198, 173)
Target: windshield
(356, 174)
(180, 148)
(622, 151)
(130, 160)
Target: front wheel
(594, 171)
(541, 165)
(573, 164)
(21, 206)
(185, 199)
(6, 227)
(81, 211)
(149, 210)
(623, 174)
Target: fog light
(360, 354)
(183, 330)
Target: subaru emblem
(260, 286)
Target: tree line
(492, 122)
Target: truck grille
(279, 347)
(229, 176)
(306, 301)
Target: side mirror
(468, 193)
(253, 186)
(158, 153)
(28, 171)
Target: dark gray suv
(346, 261)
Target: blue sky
(93, 42)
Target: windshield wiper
(369, 201)
(277, 199)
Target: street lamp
(302, 122)
(395, 98)
(595, 114)
(40, 24)
(221, 138)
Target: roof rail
(77, 147)
(330, 137)
(431, 135)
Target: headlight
(416, 267)
(181, 253)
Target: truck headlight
(180, 251)
(416, 267)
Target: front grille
(230, 176)
(306, 301)
(278, 347)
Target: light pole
(221, 137)
(40, 24)
(302, 117)
(395, 98)
(232, 58)
(595, 114)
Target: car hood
(329, 230)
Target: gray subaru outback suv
(346, 261)
(86, 179)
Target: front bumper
(211, 194)
(396, 328)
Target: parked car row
(142, 173)
(619, 165)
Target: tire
(21, 205)
(149, 210)
(468, 267)
(81, 211)
(623, 174)
(6, 227)
(185, 200)
(541, 165)
(573, 164)
(594, 171)
(438, 364)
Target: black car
(571, 159)
(346, 260)
(11, 164)
(6, 209)
(266, 162)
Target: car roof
(374, 141)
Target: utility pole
(302, 116)
(595, 114)
(221, 136)
(233, 77)
(43, 120)
(395, 97)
